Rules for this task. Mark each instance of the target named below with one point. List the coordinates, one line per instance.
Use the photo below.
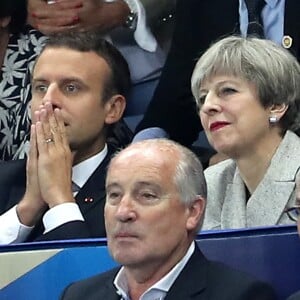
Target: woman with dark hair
(19, 46)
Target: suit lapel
(110, 293)
(104, 288)
(276, 190)
(94, 189)
(234, 208)
(192, 281)
(267, 203)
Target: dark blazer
(200, 279)
(91, 200)
(198, 24)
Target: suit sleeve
(172, 107)
(92, 226)
(67, 231)
(157, 9)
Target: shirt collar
(271, 3)
(82, 171)
(163, 285)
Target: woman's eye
(202, 99)
(228, 90)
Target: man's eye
(147, 196)
(113, 195)
(40, 88)
(71, 88)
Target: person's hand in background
(62, 15)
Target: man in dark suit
(154, 208)
(198, 24)
(79, 84)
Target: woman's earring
(273, 119)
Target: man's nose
(126, 209)
(53, 95)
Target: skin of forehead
(161, 152)
(53, 50)
(163, 156)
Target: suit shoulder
(92, 287)
(224, 168)
(248, 286)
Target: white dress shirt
(159, 290)
(142, 34)
(12, 231)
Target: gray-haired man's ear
(196, 214)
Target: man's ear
(278, 110)
(196, 213)
(114, 109)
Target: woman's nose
(211, 104)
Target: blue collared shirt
(272, 16)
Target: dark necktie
(255, 25)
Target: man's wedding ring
(47, 141)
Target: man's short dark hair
(119, 81)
